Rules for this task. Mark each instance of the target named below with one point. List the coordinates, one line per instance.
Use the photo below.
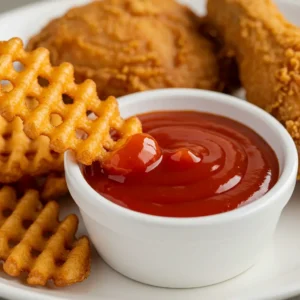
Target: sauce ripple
(187, 164)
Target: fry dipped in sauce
(187, 164)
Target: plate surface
(275, 276)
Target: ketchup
(140, 154)
(186, 164)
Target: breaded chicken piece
(267, 48)
(127, 46)
(228, 69)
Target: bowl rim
(286, 178)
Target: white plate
(276, 276)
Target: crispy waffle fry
(55, 186)
(21, 156)
(33, 240)
(58, 94)
(51, 186)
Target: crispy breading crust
(267, 48)
(128, 46)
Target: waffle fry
(51, 186)
(33, 240)
(21, 156)
(55, 186)
(59, 95)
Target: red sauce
(205, 164)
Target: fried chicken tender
(267, 48)
(127, 46)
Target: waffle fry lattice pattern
(57, 93)
(21, 156)
(55, 186)
(33, 240)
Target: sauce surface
(187, 164)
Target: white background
(10, 4)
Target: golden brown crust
(127, 46)
(228, 69)
(267, 48)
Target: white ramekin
(187, 252)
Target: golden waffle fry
(33, 240)
(55, 186)
(51, 186)
(57, 94)
(21, 156)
